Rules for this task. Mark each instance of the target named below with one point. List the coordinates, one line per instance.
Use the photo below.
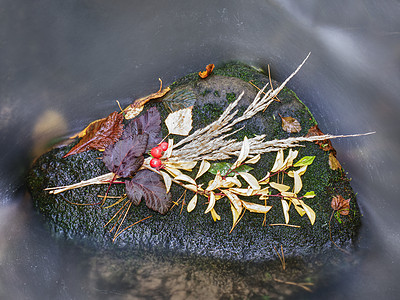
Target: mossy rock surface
(195, 233)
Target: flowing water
(64, 63)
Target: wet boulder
(81, 214)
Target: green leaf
(223, 168)
(305, 161)
(309, 194)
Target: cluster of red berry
(156, 153)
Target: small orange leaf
(290, 124)
(208, 71)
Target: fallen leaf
(251, 180)
(244, 152)
(325, 145)
(192, 203)
(340, 204)
(257, 208)
(215, 216)
(304, 161)
(225, 167)
(285, 208)
(137, 106)
(100, 134)
(278, 165)
(208, 71)
(280, 187)
(310, 213)
(290, 124)
(204, 166)
(211, 202)
(254, 159)
(149, 123)
(125, 157)
(167, 180)
(333, 162)
(180, 122)
(147, 185)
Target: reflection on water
(74, 59)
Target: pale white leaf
(192, 187)
(290, 158)
(265, 180)
(204, 166)
(251, 180)
(167, 180)
(253, 160)
(180, 121)
(280, 187)
(211, 202)
(232, 181)
(244, 152)
(235, 215)
(285, 208)
(288, 194)
(243, 192)
(257, 208)
(183, 165)
(192, 203)
(174, 172)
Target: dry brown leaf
(208, 71)
(325, 145)
(333, 162)
(290, 124)
(340, 204)
(137, 106)
(100, 134)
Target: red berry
(156, 152)
(155, 163)
(163, 146)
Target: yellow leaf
(243, 192)
(216, 183)
(235, 216)
(300, 210)
(253, 160)
(192, 187)
(278, 162)
(310, 213)
(208, 71)
(290, 158)
(167, 180)
(257, 208)
(244, 152)
(251, 180)
(234, 199)
(184, 177)
(215, 216)
(211, 202)
(192, 203)
(265, 180)
(204, 166)
(180, 121)
(83, 132)
(297, 183)
(285, 208)
(280, 187)
(231, 182)
(131, 112)
(288, 194)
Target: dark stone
(196, 234)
